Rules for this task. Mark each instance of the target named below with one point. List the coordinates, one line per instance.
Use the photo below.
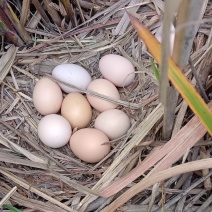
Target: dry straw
(46, 179)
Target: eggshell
(159, 34)
(114, 123)
(72, 74)
(54, 130)
(105, 87)
(86, 144)
(47, 96)
(117, 69)
(76, 109)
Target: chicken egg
(76, 109)
(86, 144)
(47, 96)
(117, 69)
(159, 34)
(105, 87)
(72, 74)
(54, 130)
(114, 123)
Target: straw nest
(37, 178)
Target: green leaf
(154, 68)
(11, 208)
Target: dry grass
(48, 179)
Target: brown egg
(76, 109)
(86, 144)
(105, 87)
(47, 96)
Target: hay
(48, 179)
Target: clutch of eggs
(55, 131)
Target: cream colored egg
(47, 96)
(117, 69)
(114, 123)
(54, 130)
(76, 109)
(86, 144)
(105, 87)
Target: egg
(72, 74)
(117, 69)
(105, 87)
(114, 123)
(54, 130)
(86, 144)
(76, 109)
(47, 96)
(159, 33)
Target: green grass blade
(11, 208)
(154, 68)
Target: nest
(37, 178)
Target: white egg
(72, 74)
(54, 130)
(159, 34)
